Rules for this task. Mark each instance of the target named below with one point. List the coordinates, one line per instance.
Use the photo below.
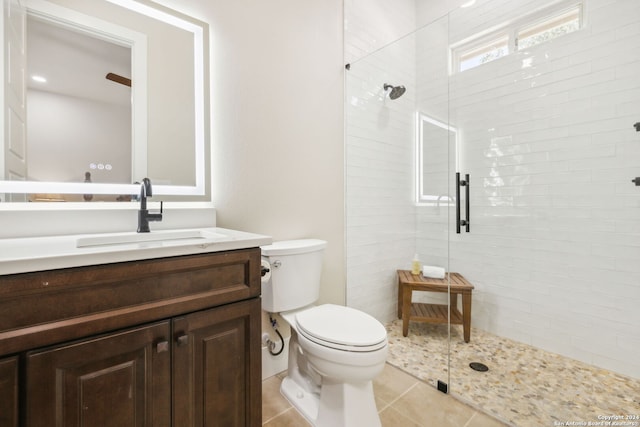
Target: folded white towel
(433, 271)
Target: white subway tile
(551, 152)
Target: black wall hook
(637, 126)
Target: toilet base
(307, 403)
(339, 404)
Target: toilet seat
(341, 328)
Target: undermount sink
(154, 236)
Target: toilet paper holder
(265, 271)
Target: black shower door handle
(467, 202)
(462, 222)
(458, 202)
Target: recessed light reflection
(38, 79)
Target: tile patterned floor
(402, 400)
(524, 386)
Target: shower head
(396, 91)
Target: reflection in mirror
(436, 151)
(78, 120)
(152, 125)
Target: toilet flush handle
(276, 264)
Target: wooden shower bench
(434, 313)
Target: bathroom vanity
(159, 328)
(164, 334)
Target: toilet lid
(342, 328)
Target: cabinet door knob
(162, 346)
(182, 340)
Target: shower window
(486, 50)
(549, 28)
(522, 33)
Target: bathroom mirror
(436, 154)
(159, 130)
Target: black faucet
(143, 214)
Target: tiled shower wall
(547, 137)
(380, 217)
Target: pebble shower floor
(524, 386)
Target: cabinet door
(9, 392)
(117, 380)
(217, 367)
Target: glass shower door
(542, 130)
(398, 191)
(545, 120)
(435, 196)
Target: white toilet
(335, 352)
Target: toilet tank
(294, 277)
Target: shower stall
(534, 106)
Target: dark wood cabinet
(154, 343)
(216, 357)
(9, 392)
(121, 379)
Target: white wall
(372, 24)
(277, 121)
(277, 127)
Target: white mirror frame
(199, 86)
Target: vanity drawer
(57, 305)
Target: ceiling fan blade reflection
(118, 79)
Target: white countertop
(21, 255)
